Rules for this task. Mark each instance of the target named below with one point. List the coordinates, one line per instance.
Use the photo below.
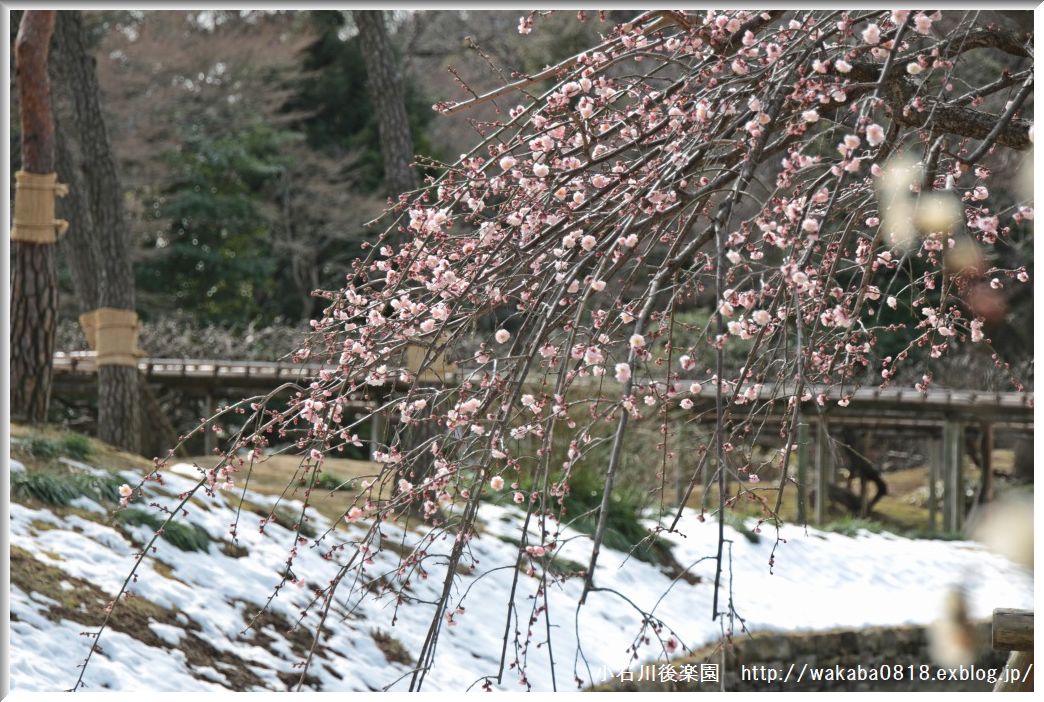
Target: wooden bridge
(942, 413)
(196, 376)
(878, 406)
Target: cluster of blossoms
(736, 162)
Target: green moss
(75, 445)
(60, 487)
(42, 447)
(851, 526)
(49, 488)
(187, 537)
(329, 482)
(70, 444)
(565, 568)
(624, 529)
(740, 524)
(925, 533)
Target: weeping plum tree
(808, 177)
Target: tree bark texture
(77, 247)
(34, 278)
(386, 93)
(900, 90)
(158, 435)
(99, 255)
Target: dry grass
(81, 601)
(281, 475)
(100, 454)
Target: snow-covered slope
(191, 634)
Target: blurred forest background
(248, 150)
(250, 157)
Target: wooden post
(947, 477)
(953, 487)
(679, 488)
(208, 431)
(822, 471)
(376, 434)
(958, 475)
(986, 444)
(1013, 631)
(935, 461)
(802, 472)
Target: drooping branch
(945, 117)
(558, 260)
(1010, 42)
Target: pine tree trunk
(34, 279)
(158, 435)
(386, 93)
(119, 419)
(99, 254)
(77, 247)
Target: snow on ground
(819, 581)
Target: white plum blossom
(875, 134)
(976, 330)
(623, 372)
(593, 355)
